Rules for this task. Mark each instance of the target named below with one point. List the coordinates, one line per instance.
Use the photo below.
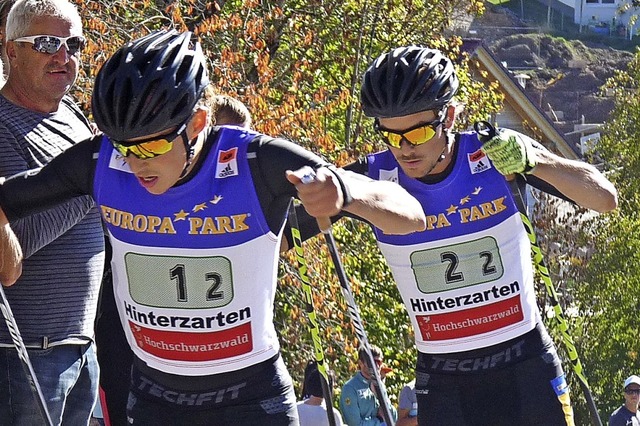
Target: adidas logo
(480, 166)
(226, 172)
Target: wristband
(346, 195)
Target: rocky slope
(565, 75)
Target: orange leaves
(229, 58)
(308, 38)
(211, 26)
(97, 25)
(251, 4)
(296, 313)
(234, 21)
(343, 158)
(255, 28)
(260, 45)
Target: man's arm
(392, 411)
(577, 180)
(36, 191)
(280, 163)
(352, 411)
(385, 205)
(404, 419)
(37, 230)
(616, 419)
(512, 152)
(10, 254)
(405, 405)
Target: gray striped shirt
(55, 300)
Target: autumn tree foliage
(297, 65)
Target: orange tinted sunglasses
(416, 135)
(151, 147)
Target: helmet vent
(143, 67)
(180, 106)
(169, 60)
(153, 100)
(185, 68)
(123, 100)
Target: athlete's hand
(319, 191)
(511, 152)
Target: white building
(605, 16)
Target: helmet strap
(189, 147)
(442, 155)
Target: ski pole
(314, 327)
(379, 389)
(485, 132)
(24, 356)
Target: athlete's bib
(467, 280)
(194, 269)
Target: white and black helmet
(408, 80)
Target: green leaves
(597, 261)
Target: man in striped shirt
(55, 299)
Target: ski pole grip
(324, 223)
(485, 131)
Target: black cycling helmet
(149, 85)
(408, 80)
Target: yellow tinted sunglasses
(151, 147)
(416, 135)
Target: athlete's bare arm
(386, 205)
(578, 181)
